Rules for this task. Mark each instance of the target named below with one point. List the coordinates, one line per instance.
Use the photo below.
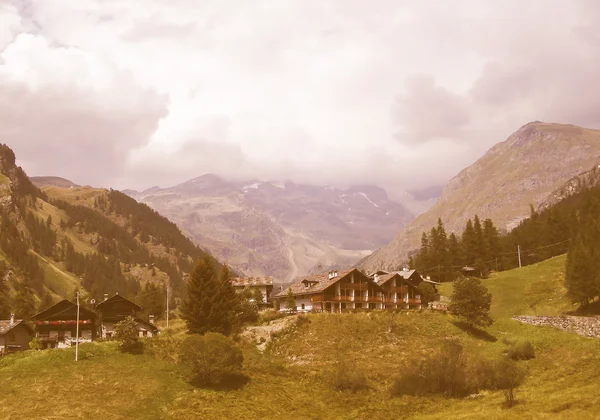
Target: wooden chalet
(401, 288)
(262, 284)
(333, 292)
(15, 335)
(114, 310)
(56, 326)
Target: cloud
(426, 111)
(70, 115)
(397, 93)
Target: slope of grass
(293, 378)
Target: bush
(126, 333)
(35, 344)
(270, 315)
(521, 351)
(444, 373)
(349, 378)
(164, 346)
(212, 359)
(508, 377)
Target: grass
(294, 377)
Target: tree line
(570, 226)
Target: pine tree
(290, 302)
(208, 303)
(579, 272)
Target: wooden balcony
(354, 286)
(401, 289)
(414, 301)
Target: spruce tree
(208, 306)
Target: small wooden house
(15, 335)
(56, 326)
(114, 310)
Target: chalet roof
(60, 308)
(120, 299)
(384, 278)
(251, 281)
(6, 327)
(147, 325)
(317, 283)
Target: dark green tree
(471, 301)
(209, 304)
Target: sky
(401, 94)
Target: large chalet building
(333, 292)
(351, 289)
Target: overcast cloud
(403, 94)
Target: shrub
(349, 378)
(126, 333)
(508, 377)
(164, 346)
(521, 351)
(427, 293)
(270, 315)
(444, 373)
(212, 359)
(35, 344)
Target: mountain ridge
(281, 229)
(520, 171)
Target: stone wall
(582, 325)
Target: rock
(582, 325)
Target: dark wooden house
(114, 310)
(56, 326)
(15, 335)
(401, 288)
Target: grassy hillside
(293, 378)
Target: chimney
(106, 296)
(376, 278)
(12, 319)
(335, 273)
(151, 319)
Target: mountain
(280, 229)
(521, 171)
(52, 181)
(56, 240)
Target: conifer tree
(208, 303)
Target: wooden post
(77, 331)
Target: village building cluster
(56, 326)
(335, 291)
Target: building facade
(15, 335)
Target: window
(303, 306)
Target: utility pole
(77, 330)
(519, 252)
(167, 306)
